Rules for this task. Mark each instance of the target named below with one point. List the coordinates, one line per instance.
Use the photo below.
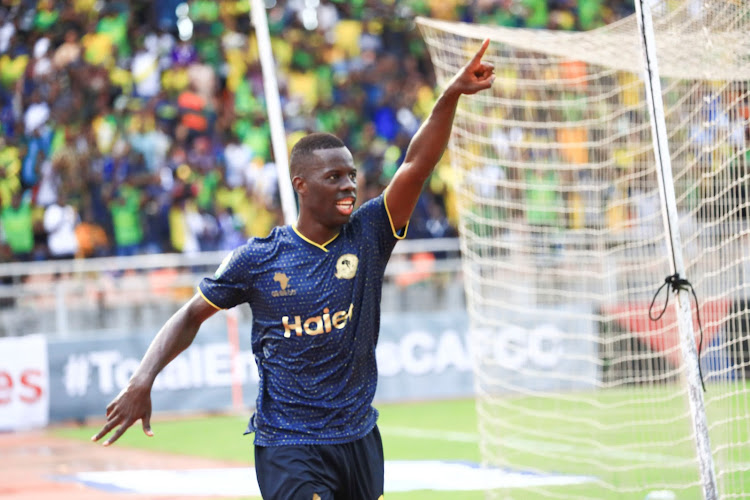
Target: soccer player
(314, 289)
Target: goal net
(564, 247)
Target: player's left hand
(475, 75)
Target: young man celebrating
(314, 289)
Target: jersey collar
(311, 242)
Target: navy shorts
(349, 471)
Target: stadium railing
(83, 297)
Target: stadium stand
(139, 127)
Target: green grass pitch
(640, 458)
(220, 437)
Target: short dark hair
(309, 144)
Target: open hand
(475, 75)
(132, 404)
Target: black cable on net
(677, 284)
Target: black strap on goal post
(677, 284)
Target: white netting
(564, 248)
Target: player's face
(330, 188)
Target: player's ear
(299, 184)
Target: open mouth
(345, 206)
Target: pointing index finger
(478, 56)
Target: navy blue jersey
(316, 317)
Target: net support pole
(670, 218)
(273, 108)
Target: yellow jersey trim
(211, 303)
(390, 219)
(322, 247)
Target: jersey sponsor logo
(315, 325)
(283, 281)
(346, 266)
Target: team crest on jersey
(346, 266)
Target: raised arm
(430, 141)
(134, 401)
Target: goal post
(663, 164)
(259, 20)
(563, 248)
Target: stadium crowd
(140, 127)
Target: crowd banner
(421, 356)
(86, 374)
(24, 383)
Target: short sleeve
(231, 283)
(376, 223)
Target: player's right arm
(428, 144)
(134, 401)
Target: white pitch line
(400, 476)
(431, 434)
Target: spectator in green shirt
(537, 13)
(125, 209)
(115, 25)
(542, 198)
(18, 226)
(47, 14)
